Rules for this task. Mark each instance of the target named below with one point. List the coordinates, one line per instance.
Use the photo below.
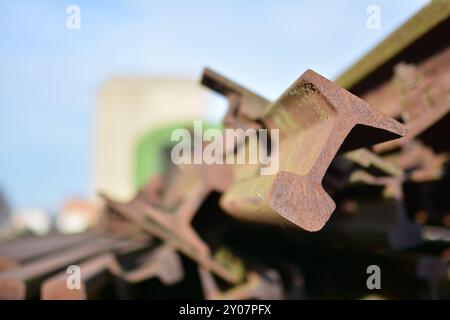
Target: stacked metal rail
(356, 187)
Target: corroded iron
(163, 263)
(245, 107)
(169, 217)
(420, 161)
(22, 282)
(424, 100)
(315, 118)
(266, 286)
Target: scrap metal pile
(356, 187)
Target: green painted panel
(149, 152)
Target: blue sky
(49, 75)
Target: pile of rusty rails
(363, 180)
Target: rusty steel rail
(241, 99)
(420, 161)
(315, 118)
(34, 247)
(266, 286)
(375, 156)
(163, 263)
(245, 107)
(174, 227)
(24, 281)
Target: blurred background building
(134, 119)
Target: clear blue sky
(49, 74)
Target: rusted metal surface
(366, 159)
(417, 26)
(22, 282)
(420, 161)
(162, 263)
(265, 286)
(32, 247)
(227, 87)
(164, 209)
(7, 263)
(245, 107)
(314, 118)
(173, 223)
(386, 181)
(425, 100)
(256, 199)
